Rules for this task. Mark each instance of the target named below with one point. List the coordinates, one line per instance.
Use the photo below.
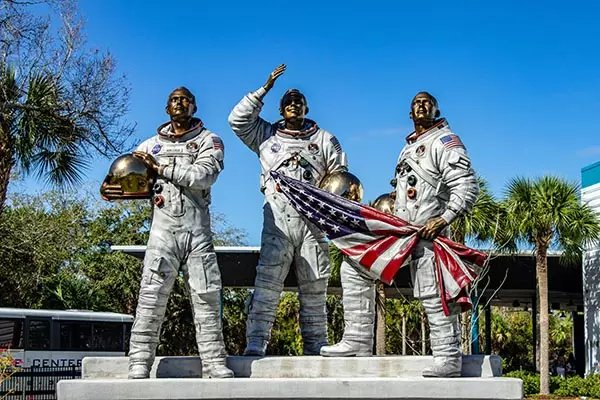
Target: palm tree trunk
(6, 163)
(465, 324)
(380, 327)
(542, 276)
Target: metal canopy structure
(510, 281)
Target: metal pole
(475, 323)
(403, 335)
(423, 342)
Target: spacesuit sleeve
(245, 121)
(203, 173)
(458, 177)
(335, 158)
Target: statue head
(293, 106)
(424, 109)
(181, 105)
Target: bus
(61, 338)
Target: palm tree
(482, 223)
(547, 213)
(34, 133)
(60, 103)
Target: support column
(488, 329)
(579, 342)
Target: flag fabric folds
(382, 243)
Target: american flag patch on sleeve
(217, 143)
(450, 141)
(336, 144)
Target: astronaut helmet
(384, 203)
(344, 184)
(132, 176)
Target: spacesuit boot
(313, 316)
(445, 340)
(358, 298)
(209, 335)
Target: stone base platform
(292, 388)
(314, 378)
(293, 367)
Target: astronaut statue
(297, 147)
(187, 159)
(435, 184)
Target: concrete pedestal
(387, 377)
(293, 367)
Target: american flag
(379, 242)
(336, 144)
(217, 143)
(450, 141)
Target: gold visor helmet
(343, 184)
(384, 203)
(128, 178)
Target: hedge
(571, 386)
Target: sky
(517, 81)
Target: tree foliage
(61, 102)
(544, 213)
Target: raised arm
(244, 119)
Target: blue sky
(517, 80)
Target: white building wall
(591, 287)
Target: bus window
(108, 336)
(38, 335)
(75, 335)
(11, 333)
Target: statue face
(423, 108)
(294, 107)
(180, 106)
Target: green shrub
(571, 386)
(531, 382)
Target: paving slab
(292, 388)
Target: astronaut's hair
(186, 91)
(433, 99)
(292, 92)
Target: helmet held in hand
(128, 178)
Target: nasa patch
(156, 148)
(275, 147)
(420, 152)
(313, 148)
(192, 146)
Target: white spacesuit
(435, 179)
(307, 155)
(180, 238)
